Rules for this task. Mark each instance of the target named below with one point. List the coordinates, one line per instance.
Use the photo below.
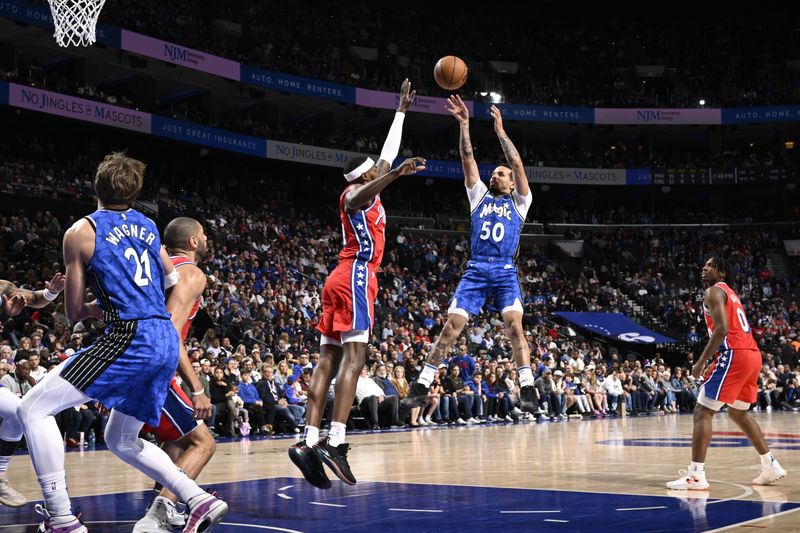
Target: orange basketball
(450, 73)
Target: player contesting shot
(347, 303)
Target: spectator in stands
(221, 391)
(479, 402)
(276, 409)
(296, 402)
(37, 371)
(544, 387)
(282, 374)
(402, 387)
(253, 403)
(19, 380)
(375, 406)
(614, 392)
(455, 387)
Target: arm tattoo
(509, 150)
(7, 288)
(465, 143)
(383, 167)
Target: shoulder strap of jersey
(725, 288)
(91, 222)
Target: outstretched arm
(358, 195)
(457, 108)
(391, 146)
(511, 153)
(35, 299)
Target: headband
(360, 170)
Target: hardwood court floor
(576, 459)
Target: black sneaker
(417, 396)
(527, 399)
(336, 459)
(307, 460)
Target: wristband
(199, 393)
(49, 296)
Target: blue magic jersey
(496, 222)
(125, 273)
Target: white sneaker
(508, 418)
(461, 421)
(59, 524)
(472, 420)
(421, 421)
(769, 474)
(175, 518)
(428, 420)
(156, 518)
(9, 496)
(517, 411)
(689, 481)
(205, 511)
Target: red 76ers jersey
(739, 335)
(179, 260)
(364, 232)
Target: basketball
(450, 73)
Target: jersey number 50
(142, 266)
(497, 232)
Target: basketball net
(75, 21)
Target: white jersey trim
(522, 203)
(476, 195)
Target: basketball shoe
(309, 463)
(527, 398)
(769, 473)
(156, 519)
(336, 459)
(9, 496)
(689, 480)
(59, 524)
(205, 510)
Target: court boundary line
(754, 520)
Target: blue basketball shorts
(485, 279)
(129, 368)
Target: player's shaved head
(179, 231)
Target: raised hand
(406, 96)
(56, 284)
(457, 108)
(498, 119)
(411, 166)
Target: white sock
(312, 435)
(766, 459)
(697, 467)
(427, 375)
(525, 376)
(337, 433)
(54, 490)
(4, 460)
